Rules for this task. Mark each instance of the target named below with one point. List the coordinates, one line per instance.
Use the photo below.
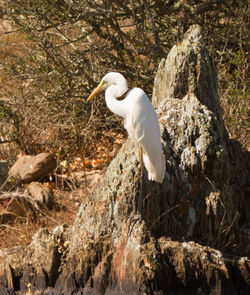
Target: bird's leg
(139, 210)
(140, 199)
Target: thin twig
(211, 183)
(163, 214)
(10, 227)
(230, 226)
(145, 198)
(50, 218)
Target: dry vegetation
(52, 53)
(21, 231)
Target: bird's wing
(145, 122)
(143, 127)
(134, 121)
(141, 122)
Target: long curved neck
(116, 106)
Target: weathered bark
(37, 266)
(202, 199)
(188, 69)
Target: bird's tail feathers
(156, 169)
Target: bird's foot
(133, 220)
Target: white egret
(141, 122)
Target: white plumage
(141, 121)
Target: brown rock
(7, 217)
(32, 168)
(40, 193)
(22, 206)
(15, 204)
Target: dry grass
(21, 231)
(234, 93)
(13, 46)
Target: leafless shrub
(58, 50)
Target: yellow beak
(96, 90)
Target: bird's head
(108, 80)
